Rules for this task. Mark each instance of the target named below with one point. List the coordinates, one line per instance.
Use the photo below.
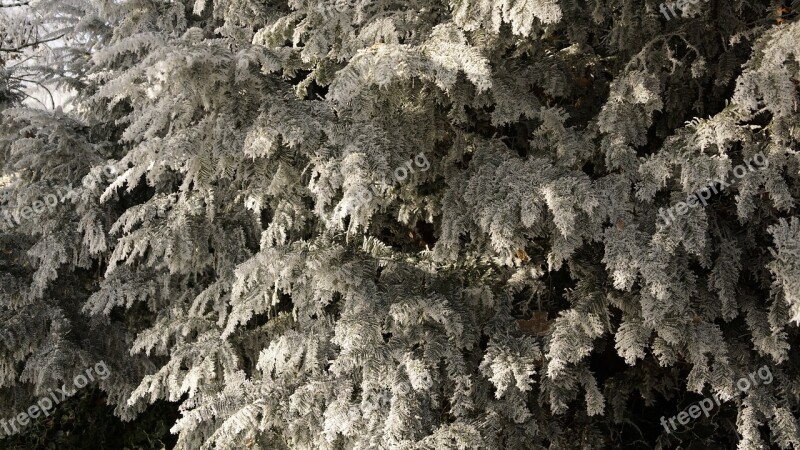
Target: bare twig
(21, 62)
(49, 93)
(25, 94)
(30, 44)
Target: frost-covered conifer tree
(474, 224)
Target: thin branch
(52, 99)
(21, 62)
(30, 44)
(25, 94)
(14, 5)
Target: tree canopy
(406, 225)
